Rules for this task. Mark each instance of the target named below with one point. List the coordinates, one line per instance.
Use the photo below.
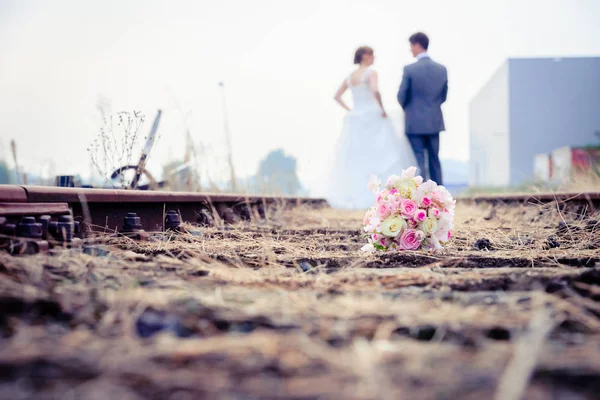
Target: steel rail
(23, 209)
(582, 203)
(542, 197)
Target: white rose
(393, 226)
(368, 248)
(429, 226)
(409, 173)
(445, 225)
(391, 182)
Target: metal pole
(228, 139)
(149, 143)
(13, 147)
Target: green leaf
(379, 247)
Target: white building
(531, 106)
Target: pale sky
(281, 60)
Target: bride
(368, 143)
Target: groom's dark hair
(419, 38)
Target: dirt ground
(290, 308)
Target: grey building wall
(489, 159)
(553, 103)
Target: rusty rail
(20, 209)
(586, 201)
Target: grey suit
(423, 90)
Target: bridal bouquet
(409, 214)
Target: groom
(423, 90)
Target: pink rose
(410, 240)
(426, 201)
(408, 208)
(420, 215)
(395, 202)
(393, 191)
(434, 212)
(384, 210)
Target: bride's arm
(339, 93)
(374, 86)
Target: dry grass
(292, 309)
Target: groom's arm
(445, 92)
(404, 91)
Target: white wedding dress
(368, 145)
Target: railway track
(68, 214)
(586, 199)
(40, 213)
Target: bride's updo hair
(360, 52)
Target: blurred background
(245, 89)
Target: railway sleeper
(31, 235)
